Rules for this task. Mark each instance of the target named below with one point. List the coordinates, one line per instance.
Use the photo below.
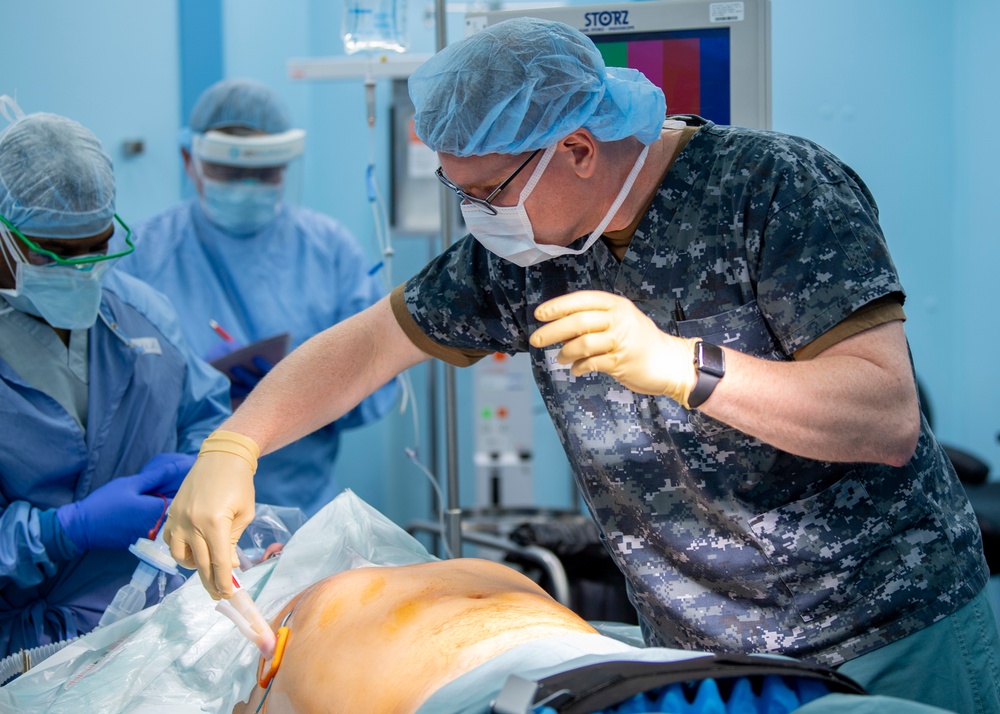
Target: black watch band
(710, 361)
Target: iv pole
(327, 68)
(453, 512)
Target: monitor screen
(690, 66)
(709, 58)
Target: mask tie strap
(557, 250)
(536, 174)
(9, 109)
(624, 192)
(9, 251)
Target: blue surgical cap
(240, 102)
(55, 179)
(524, 84)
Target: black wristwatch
(710, 361)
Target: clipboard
(273, 349)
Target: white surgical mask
(509, 234)
(66, 297)
(240, 207)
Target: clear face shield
(246, 179)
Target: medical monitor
(709, 58)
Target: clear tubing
(131, 597)
(242, 610)
(20, 662)
(154, 560)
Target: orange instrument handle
(264, 678)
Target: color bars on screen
(690, 66)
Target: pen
(678, 311)
(221, 332)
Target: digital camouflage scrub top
(761, 242)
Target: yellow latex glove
(212, 507)
(603, 332)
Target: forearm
(854, 402)
(325, 378)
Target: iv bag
(374, 25)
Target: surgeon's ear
(582, 148)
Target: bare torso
(384, 639)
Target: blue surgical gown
(300, 274)
(148, 394)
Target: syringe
(242, 610)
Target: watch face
(711, 359)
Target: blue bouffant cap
(240, 102)
(524, 84)
(56, 181)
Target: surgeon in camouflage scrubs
(803, 507)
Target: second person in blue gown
(238, 254)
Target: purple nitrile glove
(124, 509)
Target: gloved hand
(212, 508)
(603, 332)
(124, 509)
(242, 380)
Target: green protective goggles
(55, 257)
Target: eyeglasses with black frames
(485, 203)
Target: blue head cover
(524, 84)
(240, 102)
(55, 179)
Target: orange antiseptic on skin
(372, 590)
(402, 616)
(331, 611)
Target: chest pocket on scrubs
(821, 553)
(743, 329)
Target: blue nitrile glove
(243, 379)
(124, 509)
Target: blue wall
(899, 89)
(972, 408)
(113, 66)
(902, 90)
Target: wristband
(710, 363)
(229, 442)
